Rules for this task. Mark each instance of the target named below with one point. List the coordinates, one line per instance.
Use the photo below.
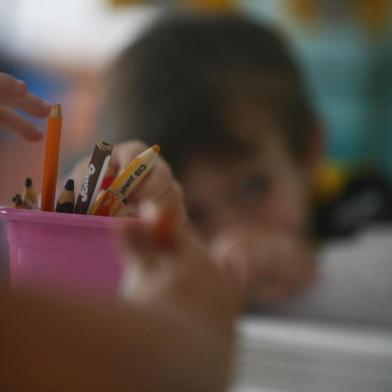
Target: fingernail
(20, 87)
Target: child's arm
(175, 335)
(14, 94)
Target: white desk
(280, 356)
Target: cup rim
(56, 218)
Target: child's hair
(177, 85)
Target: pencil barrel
(52, 152)
(93, 178)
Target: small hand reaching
(159, 186)
(15, 95)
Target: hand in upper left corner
(15, 95)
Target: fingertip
(42, 108)
(38, 107)
(46, 107)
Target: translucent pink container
(65, 253)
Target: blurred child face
(264, 187)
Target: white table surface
(290, 356)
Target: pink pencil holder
(65, 253)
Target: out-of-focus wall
(345, 48)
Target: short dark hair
(173, 86)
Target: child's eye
(253, 187)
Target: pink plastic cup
(65, 253)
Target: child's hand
(14, 95)
(178, 281)
(266, 265)
(158, 187)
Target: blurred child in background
(225, 100)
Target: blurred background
(61, 49)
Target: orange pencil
(52, 153)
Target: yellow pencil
(112, 200)
(52, 153)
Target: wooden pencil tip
(28, 182)
(56, 111)
(69, 185)
(156, 148)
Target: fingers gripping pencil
(110, 203)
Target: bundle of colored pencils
(102, 193)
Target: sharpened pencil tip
(28, 182)
(56, 111)
(69, 185)
(156, 148)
